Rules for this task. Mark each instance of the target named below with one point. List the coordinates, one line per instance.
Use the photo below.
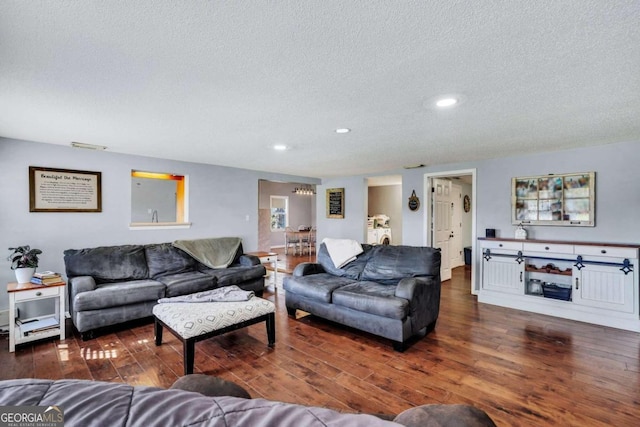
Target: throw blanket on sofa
(342, 251)
(224, 294)
(214, 253)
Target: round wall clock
(466, 202)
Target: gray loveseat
(109, 285)
(390, 291)
(224, 404)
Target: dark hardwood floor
(523, 369)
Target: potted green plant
(24, 261)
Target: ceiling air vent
(88, 146)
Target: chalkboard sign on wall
(335, 203)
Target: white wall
(223, 201)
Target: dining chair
(309, 241)
(312, 240)
(291, 239)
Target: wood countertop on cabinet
(566, 242)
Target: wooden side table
(32, 329)
(270, 257)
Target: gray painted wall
(467, 237)
(221, 198)
(223, 201)
(617, 196)
(354, 224)
(617, 192)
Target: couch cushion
(164, 259)
(234, 275)
(352, 270)
(186, 283)
(315, 286)
(372, 298)
(390, 264)
(119, 294)
(107, 263)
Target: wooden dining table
(299, 235)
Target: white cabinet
(556, 248)
(605, 287)
(27, 330)
(503, 275)
(589, 282)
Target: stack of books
(37, 326)
(46, 278)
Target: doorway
(282, 205)
(384, 210)
(451, 219)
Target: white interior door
(455, 253)
(441, 194)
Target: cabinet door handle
(521, 277)
(546, 248)
(500, 245)
(577, 284)
(604, 251)
(38, 294)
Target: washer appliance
(378, 230)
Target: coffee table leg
(158, 331)
(189, 349)
(271, 329)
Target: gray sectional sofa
(390, 291)
(109, 285)
(206, 402)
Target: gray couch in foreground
(390, 291)
(109, 285)
(95, 403)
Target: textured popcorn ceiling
(220, 82)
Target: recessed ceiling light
(343, 130)
(280, 147)
(446, 102)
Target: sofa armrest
(307, 268)
(249, 260)
(78, 285)
(443, 414)
(408, 288)
(81, 284)
(423, 294)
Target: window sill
(158, 225)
